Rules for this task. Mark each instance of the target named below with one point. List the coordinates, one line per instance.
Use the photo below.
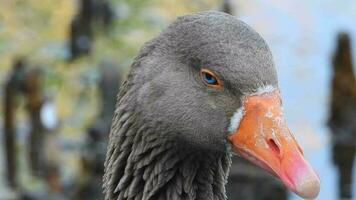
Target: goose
(203, 90)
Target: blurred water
(301, 35)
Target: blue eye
(209, 78)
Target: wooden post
(12, 87)
(342, 119)
(34, 104)
(27, 83)
(227, 7)
(10, 134)
(81, 34)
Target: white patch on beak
(239, 114)
(236, 119)
(264, 89)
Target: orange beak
(264, 138)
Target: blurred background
(62, 62)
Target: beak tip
(309, 188)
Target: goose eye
(209, 78)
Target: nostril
(273, 146)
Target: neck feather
(141, 164)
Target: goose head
(209, 82)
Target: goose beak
(264, 138)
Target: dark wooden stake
(10, 134)
(227, 7)
(26, 83)
(34, 105)
(90, 13)
(12, 87)
(342, 119)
